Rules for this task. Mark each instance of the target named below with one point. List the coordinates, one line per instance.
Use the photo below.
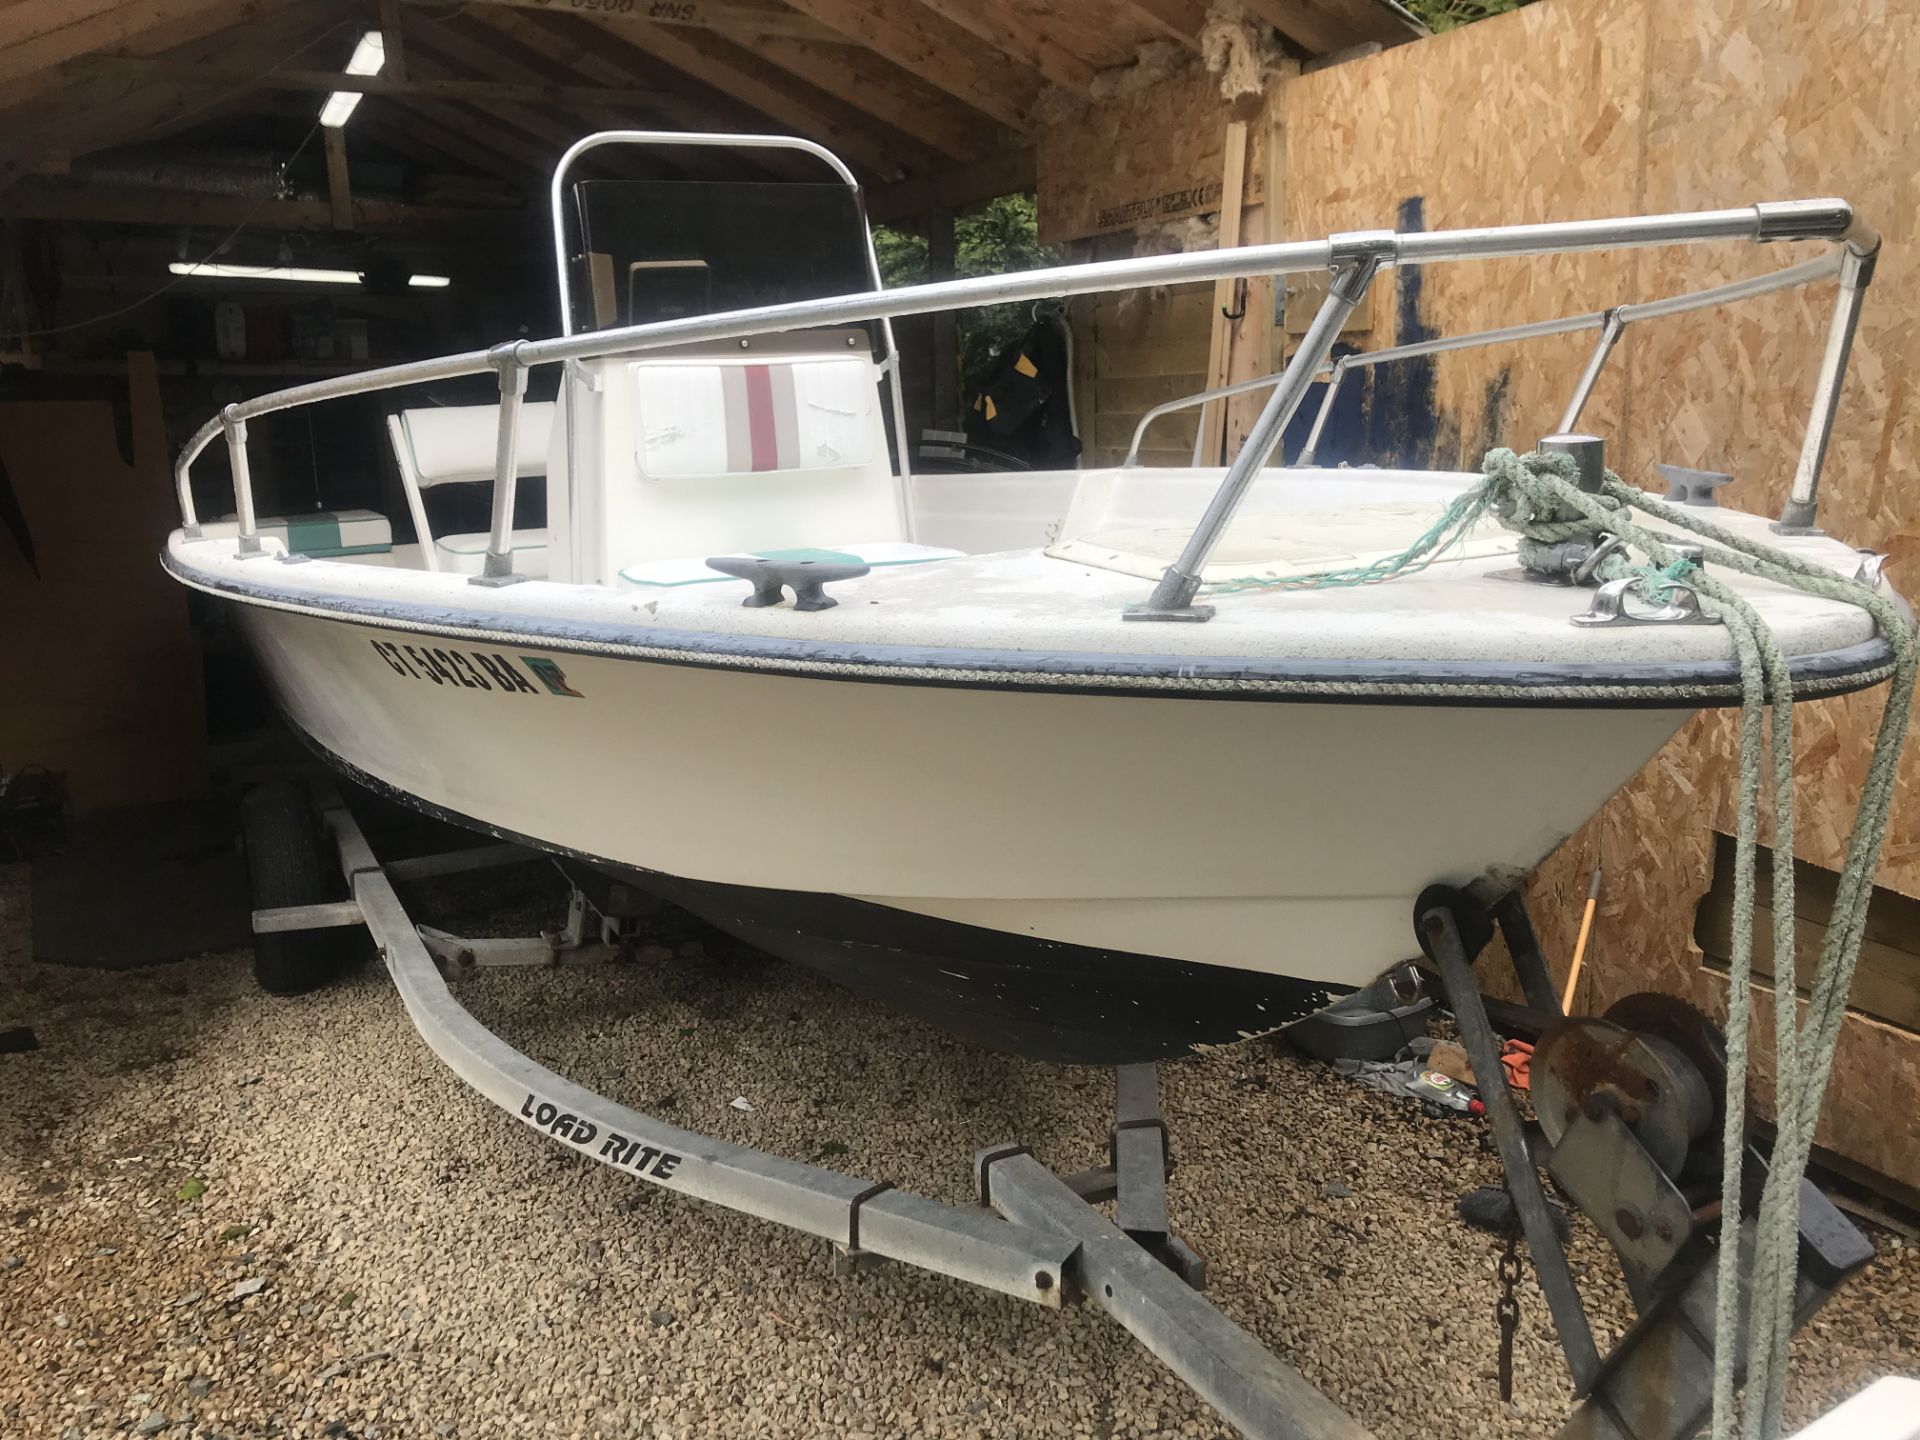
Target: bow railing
(1353, 259)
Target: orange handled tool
(1580, 945)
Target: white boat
(972, 780)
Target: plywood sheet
(1137, 159)
(1561, 111)
(1535, 115)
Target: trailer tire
(286, 865)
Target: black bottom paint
(1044, 999)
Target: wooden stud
(393, 36)
(1256, 348)
(945, 406)
(1232, 191)
(339, 191)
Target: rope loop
(1537, 497)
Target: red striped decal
(761, 431)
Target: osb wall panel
(1561, 111)
(1830, 111)
(1761, 101)
(1536, 115)
(1170, 165)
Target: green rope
(1533, 495)
(1803, 1051)
(1444, 535)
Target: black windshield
(661, 250)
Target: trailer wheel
(286, 866)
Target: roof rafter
(955, 190)
(1326, 26)
(1008, 31)
(1177, 20)
(31, 67)
(49, 199)
(111, 112)
(565, 44)
(418, 136)
(454, 48)
(938, 51)
(895, 97)
(736, 19)
(754, 82)
(226, 76)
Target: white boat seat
(693, 570)
(742, 416)
(725, 451)
(455, 445)
(466, 554)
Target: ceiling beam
(339, 186)
(1322, 27)
(896, 98)
(740, 73)
(955, 190)
(393, 34)
(43, 198)
(1372, 20)
(939, 52)
(449, 50)
(419, 138)
(1013, 35)
(105, 113)
(533, 92)
(577, 49)
(736, 19)
(1176, 20)
(455, 126)
(31, 67)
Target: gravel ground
(226, 1214)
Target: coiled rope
(1531, 495)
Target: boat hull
(843, 822)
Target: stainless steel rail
(1611, 321)
(1355, 258)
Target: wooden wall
(1566, 110)
(99, 673)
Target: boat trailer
(1627, 1128)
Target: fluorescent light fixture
(368, 56)
(268, 272)
(306, 275)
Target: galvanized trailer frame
(1035, 1235)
